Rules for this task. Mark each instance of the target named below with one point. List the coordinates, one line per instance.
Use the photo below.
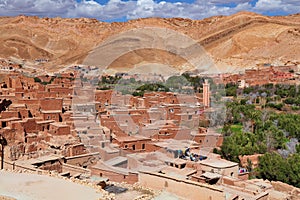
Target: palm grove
(264, 120)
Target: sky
(123, 10)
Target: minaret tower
(206, 101)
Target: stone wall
(183, 188)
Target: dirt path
(40, 187)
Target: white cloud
(229, 1)
(35, 7)
(85, 9)
(144, 8)
(266, 5)
(131, 9)
(288, 6)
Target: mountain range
(233, 43)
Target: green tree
(275, 168)
(37, 80)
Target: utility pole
(3, 143)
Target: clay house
(6, 122)
(113, 173)
(44, 125)
(8, 94)
(62, 91)
(45, 94)
(88, 108)
(109, 122)
(220, 166)
(67, 104)
(108, 150)
(51, 115)
(58, 128)
(75, 150)
(193, 190)
(104, 97)
(32, 105)
(169, 130)
(51, 103)
(172, 147)
(155, 114)
(132, 143)
(150, 161)
(51, 109)
(161, 97)
(137, 102)
(128, 121)
(49, 163)
(29, 126)
(8, 114)
(207, 138)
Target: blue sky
(123, 10)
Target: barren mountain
(233, 42)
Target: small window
(143, 146)
(166, 184)
(133, 147)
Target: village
(163, 140)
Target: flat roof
(179, 173)
(45, 121)
(218, 163)
(116, 161)
(101, 165)
(175, 144)
(9, 119)
(212, 187)
(50, 111)
(14, 105)
(177, 161)
(211, 175)
(43, 159)
(110, 149)
(205, 134)
(131, 138)
(59, 124)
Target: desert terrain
(235, 42)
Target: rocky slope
(234, 42)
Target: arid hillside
(234, 42)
